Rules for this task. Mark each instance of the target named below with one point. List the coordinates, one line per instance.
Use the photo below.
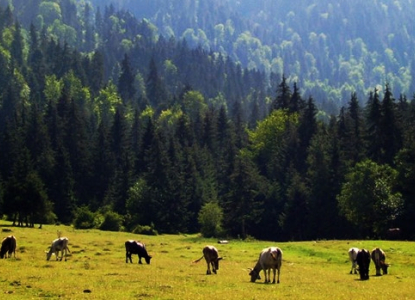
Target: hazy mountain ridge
(330, 47)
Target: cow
(363, 261)
(60, 244)
(393, 234)
(134, 247)
(352, 257)
(379, 257)
(269, 258)
(8, 247)
(212, 258)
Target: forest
(107, 123)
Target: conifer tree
(126, 87)
(373, 127)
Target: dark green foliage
(146, 230)
(84, 218)
(107, 124)
(112, 221)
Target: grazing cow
(393, 234)
(8, 246)
(212, 258)
(134, 247)
(353, 256)
(379, 257)
(60, 244)
(363, 261)
(269, 258)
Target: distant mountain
(331, 47)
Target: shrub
(210, 220)
(112, 221)
(145, 229)
(84, 218)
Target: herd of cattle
(269, 258)
(361, 258)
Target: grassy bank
(96, 269)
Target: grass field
(96, 269)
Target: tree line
(136, 152)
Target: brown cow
(379, 257)
(212, 258)
(8, 246)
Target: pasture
(96, 269)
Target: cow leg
(278, 280)
(208, 272)
(265, 274)
(139, 260)
(274, 271)
(213, 268)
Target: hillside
(107, 123)
(331, 48)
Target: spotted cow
(352, 257)
(379, 257)
(134, 247)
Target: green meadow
(96, 268)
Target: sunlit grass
(96, 269)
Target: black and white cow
(8, 247)
(60, 244)
(134, 247)
(363, 261)
(269, 258)
(212, 258)
(352, 257)
(379, 257)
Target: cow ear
(219, 258)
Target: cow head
(216, 263)
(384, 267)
(48, 254)
(254, 275)
(147, 258)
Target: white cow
(353, 256)
(60, 244)
(269, 258)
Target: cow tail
(197, 260)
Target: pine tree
(390, 134)
(244, 201)
(373, 127)
(126, 87)
(282, 101)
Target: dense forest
(331, 48)
(107, 122)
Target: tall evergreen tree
(126, 87)
(282, 101)
(244, 201)
(373, 127)
(390, 134)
